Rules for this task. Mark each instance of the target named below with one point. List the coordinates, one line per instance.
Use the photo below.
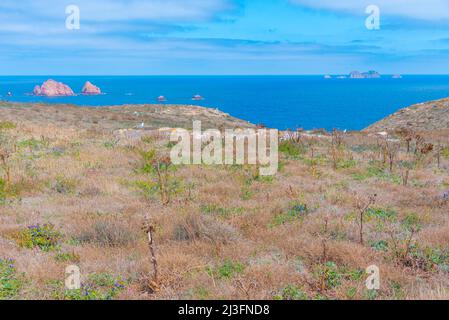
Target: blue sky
(190, 37)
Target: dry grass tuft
(198, 227)
(107, 232)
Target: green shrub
(431, 258)
(291, 149)
(371, 294)
(351, 293)
(161, 171)
(213, 209)
(67, 257)
(346, 164)
(147, 139)
(200, 293)
(265, 179)
(380, 245)
(31, 144)
(332, 275)
(3, 192)
(296, 211)
(148, 157)
(246, 194)
(445, 152)
(227, 270)
(7, 125)
(411, 222)
(110, 144)
(371, 172)
(9, 191)
(149, 188)
(152, 189)
(44, 237)
(398, 292)
(57, 152)
(9, 282)
(170, 144)
(381, 213)
(377, 170)
(320, 297)
(101, 286)
(438, 256)
(291, 292)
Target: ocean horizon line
(209, 75)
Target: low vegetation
(82, 192)
(10, 283)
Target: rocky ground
(73, 192)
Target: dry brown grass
(225, 233)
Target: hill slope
(432, 115)
(118, 117)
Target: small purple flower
(8, 261)
(446, 195)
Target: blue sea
(276, 101)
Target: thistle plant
(5, 155)
(160, 169)
(8, 147)
(362, 206)
(336, 149)
(390, 151)
(149, 229)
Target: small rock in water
(197, 97)
(91, 89)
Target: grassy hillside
(118, 117)
(428, 116)
(75, 190)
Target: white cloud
(47, 17)
(416, 9)
(119, 10)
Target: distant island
(359, 75)
(365, 75)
